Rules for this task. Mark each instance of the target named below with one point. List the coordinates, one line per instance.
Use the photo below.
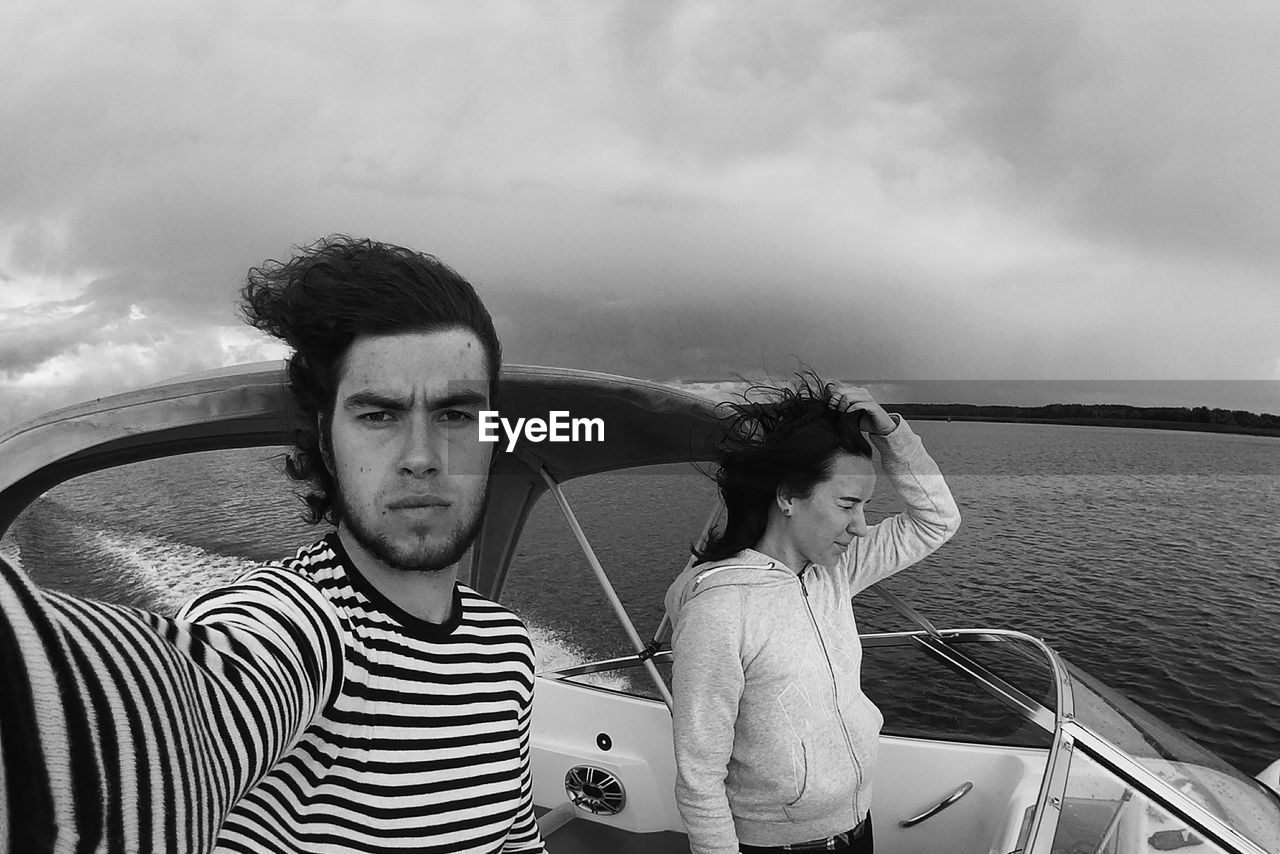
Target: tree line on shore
(1104, 414)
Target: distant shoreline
(1084, 415)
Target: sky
(990, 202)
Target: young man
(353, 698)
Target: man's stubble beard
(423, 557)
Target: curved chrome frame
(935, 643)
(1074, 737)
(1065, 707)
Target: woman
(775, 741)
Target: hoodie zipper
(835, 685)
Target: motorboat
(992, 743)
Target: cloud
(115, 363)
(36, 334)
(1138, 122)
(119, 332)
(903, 190)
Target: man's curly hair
(778, 437)
(327, 295)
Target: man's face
(405, 447)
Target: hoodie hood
(748, 568)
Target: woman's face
(822, 526)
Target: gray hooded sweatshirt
(775, 742)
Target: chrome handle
(938, 807)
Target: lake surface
(1151, 558)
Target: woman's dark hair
(787, 441)
(327, 295)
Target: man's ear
(326, 451)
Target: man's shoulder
(303, 580)
(491, 620)
(314, 557)
(478, 605)
(318, 562)
(312, 570)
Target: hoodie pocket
(801, 777)
(826, 782)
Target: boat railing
(1064, 707)
(939, 644)
(605, 666)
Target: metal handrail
(1028, 707)
(603, 666)
(941, 805)
(1064, 709)
(935, 642)
(1066, 695)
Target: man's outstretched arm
(125, 731)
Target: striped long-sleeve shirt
(294, 710)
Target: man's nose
(423, 449)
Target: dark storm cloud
(700, 336)
(1142, 122)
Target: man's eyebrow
(376, 400)
(464, 397)
(400, 403)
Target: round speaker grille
(595, 790)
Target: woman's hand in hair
(874, 419)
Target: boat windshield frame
(1073, 737)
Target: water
(1148, 557)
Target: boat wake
(75, 552)
(10, 553)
